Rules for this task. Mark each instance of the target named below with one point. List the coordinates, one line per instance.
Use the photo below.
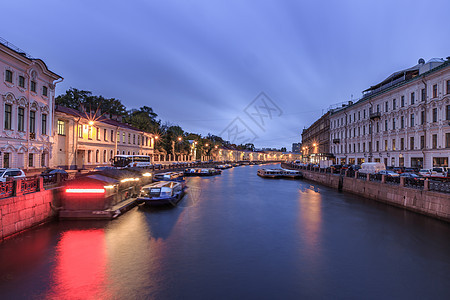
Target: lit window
(80, 131)
(61, 127)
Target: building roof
(101, 119)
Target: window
(386, 108)
(21, 119)
(80, 131)
(394, 104)
(139, 139)
(402, 144)
(434, 141)
(123, 137)
(134, 139)
(89, 156)
(448, 86)
(8, 109)
(33, 86)
(411, 143)
(98, 134)
(434, 115)
(90, 132)
(129, 138)
(104, 156)
(22, 81)
(30, 160)
(393, 124)
(402, 122)
(112, 135)
(385, 125)
(393, 144)
(385, 145)
(378, 108)
(424, 94)
(97, 154)
(105, 135)
(412, 98)
(32, 121)
(422, 142)
(8, 76)
(412, 120)
(422, 117)
(447, 112)
(44, 125)
(378, 146)
(378, 127)
(447, 140)
(6, 160)
(402, 101)
(44, 91)
(61, 127)
(435, 91)
(43, 159)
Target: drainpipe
(424, 122)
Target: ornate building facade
(27, 93)
(401, 121)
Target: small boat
(292, 174)
(279, 173)
(161, 193)
(270, 173)
(201, 172)
(223, 167)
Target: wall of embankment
(430, 203)
(25, 211)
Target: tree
(143, 118)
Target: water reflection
(80, 271)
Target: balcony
(375, 116)
(336, 141)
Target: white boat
(161, 193)
(279, 173)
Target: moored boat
(201, 172)
(279, 173)
(292, 174)
(161, 193)
(223, 167)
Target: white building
(84, 142)
(27, 93)
(402, 121)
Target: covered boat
(201, 172)
(161, 193)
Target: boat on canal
(279, 173)
(202, 172)
(161, 193)
(223, 167)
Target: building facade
(27, 93)
(85, 142)
(402, 121)
(316, 141)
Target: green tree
(143, 118)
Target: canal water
(236, 236)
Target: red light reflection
(80, 272)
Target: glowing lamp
(91, 123)
(147, 174)
(85, 191)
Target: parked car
(49, 172)
(425, 172)
(398, 170)
(412, 176)
(388, 173)
(336, 167)
(103, 168)
(355, 167)
(372, 167)
(11, 173)
(438, 172)
(411, 170)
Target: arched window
(104, 156)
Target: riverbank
(431, 203)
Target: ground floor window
(343, 161)
(377, 160)
(393, 161)
(89, 156)
(401, 162)
(43, 159)
(6, 160)
(351, 161)
(360, 161)
(417, 162)
(440, 161)
(30, 159)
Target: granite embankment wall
(430, 203)
(25, 211)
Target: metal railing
(19, 187)
(392, 180)
(443, 187)
(414, 183)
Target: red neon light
(82, 191)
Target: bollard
(40, 183)
(426, 185)
(383, 178)
(18, 187)
(402, 181)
